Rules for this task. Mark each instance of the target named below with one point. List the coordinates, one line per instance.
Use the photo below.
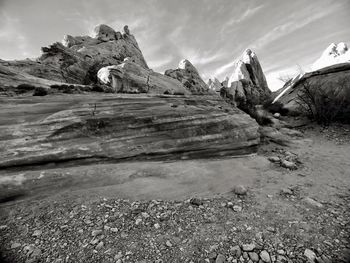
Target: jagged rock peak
(188, 75)
(333, 54)
(248, 68)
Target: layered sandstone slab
(111, 128)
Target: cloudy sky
(286, 35)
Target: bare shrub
(325, 104)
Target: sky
(287, 36)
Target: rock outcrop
(214, 85)
(188, 75)
(77, 59)
(130, 77)
(247, 85)
(68, 130)
(334, 54)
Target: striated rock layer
(111, 128)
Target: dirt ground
(143, 211)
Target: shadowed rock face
(88, 128)
(215, 85)
(188, 75)
(77, 59)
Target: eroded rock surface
(188, 75)
(129, 77)
(89, 128)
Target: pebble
(240, 190)
(138, 221)
(248, 247)
(99, 245)
(196, 201)
(237, 208)
(289, 165)
(37, 233)
(310, 255)
(220, 259)
(265, 257)
(253, 256)
(277, 115)
(274, 159)
(168, 244)
(3, 227)
(286, 191)
(15, 245)
(114, 229)
(156, 226)
(236, 251)
(95, 233)
(313, 202)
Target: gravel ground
(231, 228)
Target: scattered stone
(240, 190)
(265, 257)
(310, 255)
(220, 259)
(274, 159)
(156, 226)
(138, 221)
(248, 247)
(253, 256)
(114, 229)
(289, 165)
(3, 227)
(286, 191)
(312, 202)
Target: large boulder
(75, 129)
(77, 59)
(130, 77)
(247, 86)
(188, 75)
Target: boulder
(85, 128)
(188, 75)
(130, 77)
(104, 33)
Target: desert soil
(246, 209)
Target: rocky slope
(247, 85)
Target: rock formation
(247, 85)
(77, 59)
(334, 54)
(188, 75)
(129, 77)
(335, 77)
(88, 129)
(215, 85)
(167, 122)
